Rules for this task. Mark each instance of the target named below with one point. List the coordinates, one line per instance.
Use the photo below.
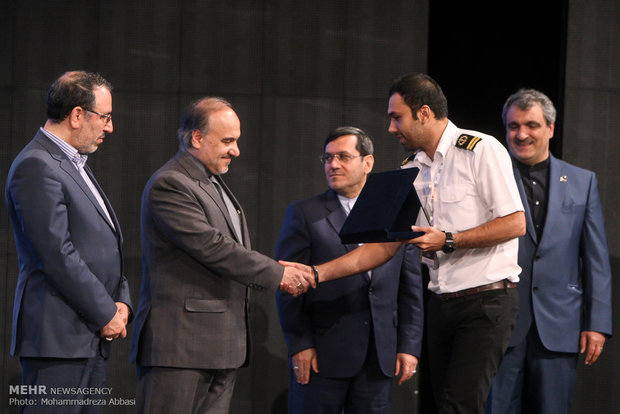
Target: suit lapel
(531, 231)
(69, 167)
(336, 215)
(108, 206)
(209, 188)
(558, 184)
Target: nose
(521, 133)
(392, 128)
(108, 127)
(234, 150)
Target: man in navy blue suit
(565, 285)
(71, 298)
(347, 338)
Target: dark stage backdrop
(591, 122)
(294, 69)
(570, 50)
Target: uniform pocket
(454, 193)
(205, 305)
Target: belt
(502, 284)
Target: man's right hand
(297, 278)
(302, 362)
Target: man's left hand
(592, 344)
(123, 309)
(407, 364)
(432, 240)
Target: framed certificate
(385, 210)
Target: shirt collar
(445, 142)
(346, 202)
(527, 169)
(200, 165)
(72, 153)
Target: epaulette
(408, 159)
(467, 142)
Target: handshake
(298, 278)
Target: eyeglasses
(108, 117)
(342, 157)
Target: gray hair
(196, 117)
(524, 99)
(364, 141)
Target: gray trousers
(184, 391)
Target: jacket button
(535, 289)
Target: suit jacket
(193, 299)
(565, 284)
(336, 318)
(70, 262)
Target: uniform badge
(408, 159)
(467, 142)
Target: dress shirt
(535, 180)
(347, 204)
(470, 188)
(233, 211)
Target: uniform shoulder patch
(467, 142)
(408, 159)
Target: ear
(425, 113)
(196, 139)
(551, 130)
(76, 117)
(369, 162)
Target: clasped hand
(297, 278)
(117, 327)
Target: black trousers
(467, 338)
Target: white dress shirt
(463, 189)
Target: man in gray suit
(191, 325)
(71, 298)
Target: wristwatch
(449, 245)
